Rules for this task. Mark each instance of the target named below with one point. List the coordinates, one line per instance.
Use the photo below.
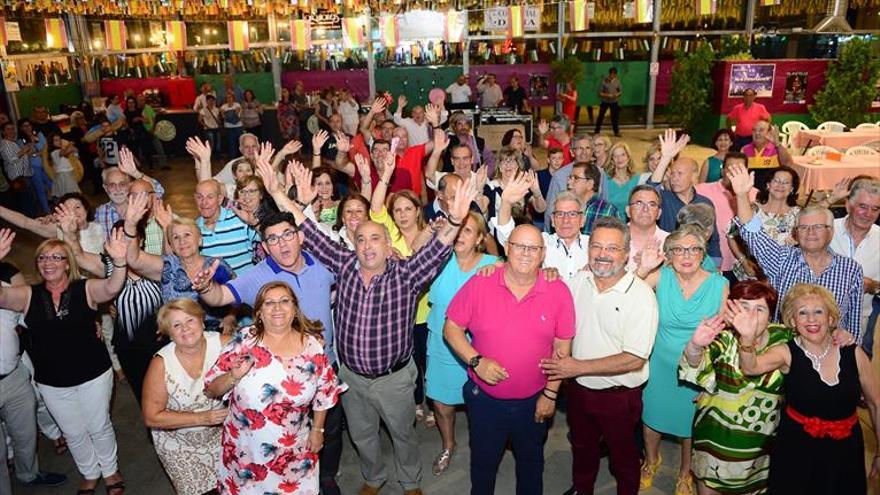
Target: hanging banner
(419, 25)
(300, 34)
(4, 38)
(515, 27)
(175, 35)
(706, 7)
(532, 18)
(769, 3)
(758, 77)
(578, 15)
(389, 33)
(56, 33)
(13, 31)
(352, 32)
(114, 35)
(239, 37)
(455, 24)
(644, 11)
(495, 19)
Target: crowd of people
(391, 269)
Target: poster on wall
(10, 75)
(758, 77)
(795, 88)
(539, 87)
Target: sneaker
(684, 485)
(46, 478)
(441, 463)
(646, 477)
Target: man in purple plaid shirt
(375, 308)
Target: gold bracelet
(747, 348)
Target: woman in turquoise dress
(686, 295)
(622, 179)
(446, 374)
(722, 141)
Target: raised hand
(200, 150)
(343, 144)
(292, 146)
(534, 185)
(388, 171)
(543, 127)
(432, 114)
(669, 146)
(707, 330)
(318, 140)
(138, 204)
(650, 257)
(482, 177)
(306, 192)
(363, 166)
(441, 140)
(6, 238)
(516, 189)
(265, 152)
(743, 321)
(401, 102)
(116, 246)
(66, 220)
(205, 276)
(162, 213)
(126, 163)
(841, 190)
(379, 106)
(460, 207)
(741, 181)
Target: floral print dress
(265, 437)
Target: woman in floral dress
(274, 374)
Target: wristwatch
(474, 361)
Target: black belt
(394, 369)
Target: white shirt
(9, 356)
(91, 238)
(418, 133)
(230, 107)
(568, 260)
(211, 117)
(60, 163)
(200, 101)
(348, 110)
(621, 319)
(459, 93)
(866, 254)
(490, 96)
(660, 235)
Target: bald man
(516, 318)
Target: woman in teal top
(621, 177)
(446, 375)
(723, 143)
(686, 295)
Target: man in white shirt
(565, 249)
(490, 92)
(616, 322)
(200, 102)
(459, 91)
(857, 236)
(417, 127)
(643, 210)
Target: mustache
(603, 260)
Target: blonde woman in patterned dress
(184, 422)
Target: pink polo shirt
(725, 203)
(747, 117)
(517, 334)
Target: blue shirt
(177, 284)
(230, 239)
(311, 285)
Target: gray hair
(680, 233)
(815, 209)
(107, 171)
(247, 135)
(699, 214)
(568, 196)
(613, 223)
(868, 186)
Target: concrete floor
(145, 476)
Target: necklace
(814, 359)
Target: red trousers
(611, 416)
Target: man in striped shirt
(17, 165)
(224, 234)
(584, 184)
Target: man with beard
(616, 314)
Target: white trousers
(83, 414)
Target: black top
(7, 271)
(63, 342)
(807, 394)
(515, 98)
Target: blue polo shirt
(311, 285)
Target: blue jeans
(492, 423)
(213, 137)
(232, 135)
(42, 186)
(868, 338)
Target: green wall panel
(704, 131)
(51, 96)
(633, 77)
(415, 82)
(261, 83)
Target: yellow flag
(300, 34)
(644, 11)
(175, 35)
(56, 33)
(352, 32)
(578, 15)
(388, 30)
(114, 35)
(515, 19)
(239, 38)
(706, 7)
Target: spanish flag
(644, 11)
(578, 15)
(56, 33)
(352, 32)
(769, 3)
(300, 34)
(455, 22)
(707, 7)
(515, 20)
(239, 38)
(3, 36)
(175, 35)
(114, 35)
(388, 30)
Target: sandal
(684, 485)
(119, 485)
(646, 477)
(60, 446)
(441, 463)
(430, 420)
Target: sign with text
(758, 77)
(498, 18)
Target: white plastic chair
(819, 151)
(874, 145)
(868, 125)
(793, 126)
(862, 151)
(831, 126)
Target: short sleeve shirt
(746, 118)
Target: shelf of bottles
(43, 71)
(419, 53)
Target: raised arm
(12, 298)
(211, 293)
(441, 142)
(291, 148)
(363, 167)
(201, 153)
(89, 262)
(746, 324)
(537, 200)
(46, 230)
(541, 135)
(669, 149)
(146, 264)
(377, 201)
(458, 211)
(105, 289)
(341, 163)
(398, 115)
(377, 108)
(319, 139)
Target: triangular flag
(175, 35)
(455, 22)
(388, 30)
(300, 34)
(114, 35)
(56, 33)
(515, 20)
(707, 7)
(578, 15)
(352, 32)
(644, 11)
(239, 37)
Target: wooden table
(821, 174)
(839, 140)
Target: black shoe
(46, 478)
(570, 491)
(329, 487)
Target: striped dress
(736, 416)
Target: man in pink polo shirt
(764, 153)
(516, 318)
(744, 115)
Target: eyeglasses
(611, 249)
(248, 192)
(274, 239)
(57, 258)
(641, 205)
(524, 248)
(272, 304)
(689, 251)
(577, 177)
(816, 227)
(780, 182)
(567, 214)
